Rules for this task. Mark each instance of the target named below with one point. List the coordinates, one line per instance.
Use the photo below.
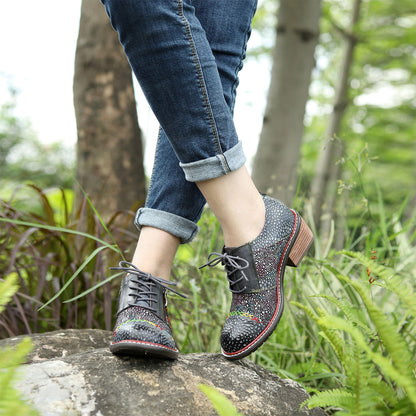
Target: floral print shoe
(142, 325)
(255, 273)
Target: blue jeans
(186, 55)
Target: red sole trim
(133, 341)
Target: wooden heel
(302, 243)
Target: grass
(55, 251)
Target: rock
(59, 344)
(72, 372)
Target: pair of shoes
(255, 273)
(142, 325)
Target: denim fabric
(181, 227)
(186, 56)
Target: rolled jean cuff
(215, 166)
(180, 227)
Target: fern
(378, 376)
(359, 371)
(379, 270)
(400, 369)
(336, 342)
(10, 402)
(396, 285)
(391, 281)
(384, 390)
(350, 313)
(8, 288)
(361, 375)
(338, 398)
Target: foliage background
(47, 242)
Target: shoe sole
(299, 243)
(143, 349)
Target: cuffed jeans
(186, 55)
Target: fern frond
(400, 372)
(333, 322)
(336, 342)
(384, 391)
(10, 359)
(392, 281)
(358, 397)
(361, 379)
(377, 269)
(360, 372)
(403, 291)
(350, 313)
(310, 312)
(376, 379)
(8, 287)
(331, 398)
(404, 407)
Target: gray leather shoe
(255, 273)
(142, 325)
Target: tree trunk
(109, 151)
(324, 184)
(275, 164)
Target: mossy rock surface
(72, 372)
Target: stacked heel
(303, 241)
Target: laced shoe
(255, 273)
(142, 325)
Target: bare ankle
(155, 252)
(237, 204)
(244, 225)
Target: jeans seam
(198, 214)
(201, 83)
(154, 164)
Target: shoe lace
(142, 285)
(232, 264)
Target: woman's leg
(233, 198)
(172, 59)
(267, 234)
(175, 204)
(169, 192)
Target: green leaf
(336, 398)
(62, 230)
(8, 288)
(222, 405)
(11, 403)
(109, 279)
(77, 272)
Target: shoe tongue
(244, 252)
(154, 301)
(128, 292)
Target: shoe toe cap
(144, 332)
(238, 333)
